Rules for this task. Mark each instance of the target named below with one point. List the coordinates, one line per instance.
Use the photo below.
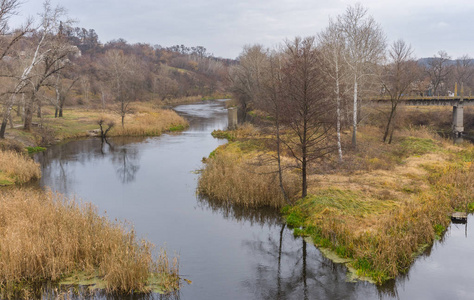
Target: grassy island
(377, 210)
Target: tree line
(50, 61)
(313, 88)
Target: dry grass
(381, 218)
(249, 180)
(148, 123)
(17, 168)
(377, 209)
(44, 236)
(144, 119)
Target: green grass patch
(223, 134)
(439, 230)
(466, 155)
(346, 202)
(417, 146)
(179, 127)
(470, 207)
(32, 150)
(295, 219)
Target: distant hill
(425, 61)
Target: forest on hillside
(49, 61)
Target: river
(230, 253)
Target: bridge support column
(232, 118)
(458, 119)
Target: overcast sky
(225, 26)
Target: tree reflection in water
(287, 268)
(125, 159)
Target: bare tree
(332, 48)
(122, 73)
(54, 59)
(61, 89)
(8, 39)
(397, 78)
(247, 76)
(438, 70)
(271, 100)
(464, 71)
(365, 45)
(307, 112)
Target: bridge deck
(430, 101)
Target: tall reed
(46, 236)
(244, 181)
(18, 168)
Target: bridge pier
(232, 118)
(458, 119)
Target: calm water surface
(230, 253)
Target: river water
(230, 253)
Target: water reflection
(125, 159)
(262, 216)
(59, 163)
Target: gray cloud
(223, 27)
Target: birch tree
(332, 47)
(365, 44)
(44, 51)
(8, 40)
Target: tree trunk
(2, 129)
(6, 115)
(304, 185)
(11, 121)
(354, 122)
(338, 113)
(280, 172)
(387, 128)
(28, 115)
(39, 115)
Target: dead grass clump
(150, 123)
(18, 168)
(11, 145)
(44, 236)
(232, 178)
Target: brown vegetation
(17, 168)
(378, 208)
(45, 236)
(233, 177)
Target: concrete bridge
(457, 103)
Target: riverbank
(67, 242)
(377, 210)
(143, 119)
